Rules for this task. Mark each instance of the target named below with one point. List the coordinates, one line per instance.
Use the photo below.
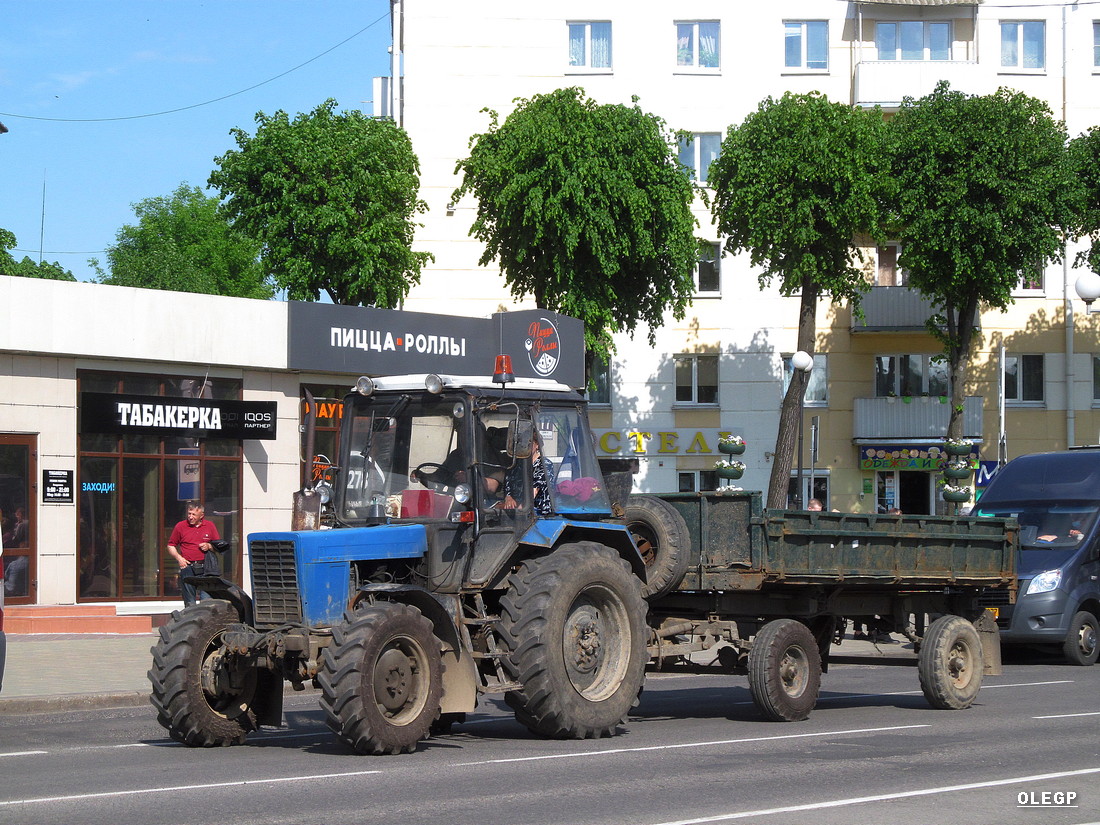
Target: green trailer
(769, 593)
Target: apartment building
(875, 407)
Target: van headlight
(1044, 582)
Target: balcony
(912, 419)
(895, 309)
(887, 82)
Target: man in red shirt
(188, 544)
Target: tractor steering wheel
(444, 476)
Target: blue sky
(82, 83)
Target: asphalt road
(695, 751)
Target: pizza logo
(543, 347)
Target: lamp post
(1087, 287)
(803, 363)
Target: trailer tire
(574, 624)
(785, 670)
(950, 663)
(202, 696)
(382, 678)
(662, 538)
(1082, 645)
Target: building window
(599, 389)
(817, 388)
(590, 45)
(1095, 379)
(696, 379)
(708, 270)
(1023, 44)
(697, 481)
(1031, 282)
(698, 44)
(1023, 378)
(1096, 43)
(806, 44)
(699, 152)
(911, 375)
(815, 487)
(913, 40)
(887, 271)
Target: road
(695, 751)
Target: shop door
(18, 517)
(908, 490)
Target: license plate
(996, 611)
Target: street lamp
(1088, 289)
(803, 362)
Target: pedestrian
(815, 505)
(188, 544)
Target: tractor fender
(460, 677)
(551, 532)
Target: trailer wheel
(663, 540)
(574, 624)
(382, 678)
(785, 670)
(950, 663)
(1082, 645)
(202, 694)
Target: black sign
(190, 417)
(366, 341)
(57, 486)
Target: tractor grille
(274, 583)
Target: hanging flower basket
(731, 445)
(961, 447)
(958, 470)
(956, 494)
(729, 469)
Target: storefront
(108, 427)
(906, 477)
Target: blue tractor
(466, 545)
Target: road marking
(1067, 715)
(860, 800)
(612, 751)
(24, 753)
(176, 788)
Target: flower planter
(956, 496)
(730, 472)
(730, 448)
(958, 471)
(958, 449)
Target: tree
(27, 268)
(181, 243)
(794, 185)
(1085, 165)
(984, 193)
(586, 209)
(331, 198)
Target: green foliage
(794, 185)
(586, 208)
(27, 268)
(1084, 152)
(984, 191)
(181, 243)
(331, 198)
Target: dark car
(1056, 499)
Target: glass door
(18, 517)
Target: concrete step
(80, 618)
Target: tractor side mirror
(521, 432)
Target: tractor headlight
(364, 386)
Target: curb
(73, 701)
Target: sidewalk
(58, 672)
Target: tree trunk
(791, 409)
(958, 363)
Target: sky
(110, 102)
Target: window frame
(1096, 44)
(901, 276)
(1019, 44)
(820, 368)
(927, 27)
(699, 480)
(695, 66)
(601, 367)
(1022, 290)
(1021, 379)
(897, 373)
(695, 147)
(804, 47)
(586, 67)
(694, 359)
(716, 262)
(820, 479)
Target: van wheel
(1082, 645)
